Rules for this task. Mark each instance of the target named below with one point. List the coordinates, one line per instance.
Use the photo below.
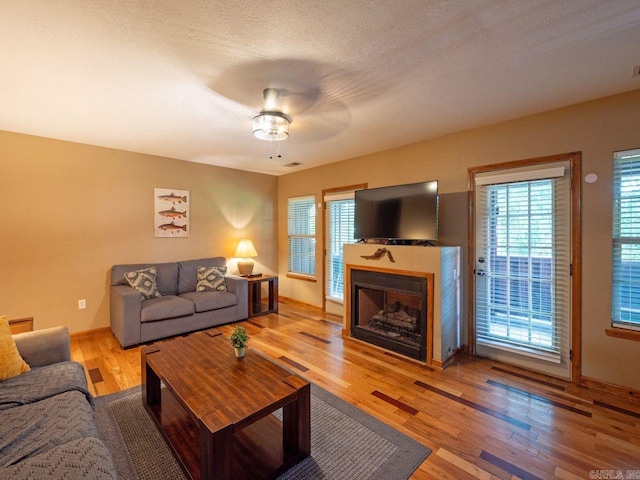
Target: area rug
(346, 443)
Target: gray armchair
(44, 347)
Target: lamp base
(245, 267)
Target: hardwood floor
(482, 419)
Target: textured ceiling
(183, 79)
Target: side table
(21, 325)
(256, 307)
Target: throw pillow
(144, 281)
(11, 363)
(211, 279)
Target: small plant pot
(239, 337)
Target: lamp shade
(271, 126)
(246, 249)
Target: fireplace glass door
(390, 311)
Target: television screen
(400, 212)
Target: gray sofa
(47, 428)
(179, 309)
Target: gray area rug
(346, 443)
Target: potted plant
(239, 340)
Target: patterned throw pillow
(144, 281)
(11, 363)
(211, 279)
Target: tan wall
(596, 128)
(70, 211)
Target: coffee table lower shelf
(258, 451)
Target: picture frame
(171, 213)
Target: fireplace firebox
(390, 310)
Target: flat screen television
(400, 212)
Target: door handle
(480, 273)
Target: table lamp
(245, 251)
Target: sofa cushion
(211, 279)
(76, 460)
(11, 363)
(40, 426)
(206, 301)
(144, 281)
(166, 275)
(165, 307)
(188, 272)
(44, 382)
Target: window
(339, 223)
(522, 283)
(625, 295)
(301, 217)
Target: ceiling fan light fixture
(271, 126)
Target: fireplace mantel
(443, 322)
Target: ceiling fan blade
(207, 107)
(324, 120)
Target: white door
(523, 267)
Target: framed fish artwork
(171, 212)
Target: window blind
(522, 269)
(625, 295)
(301, 229)
(339, 229)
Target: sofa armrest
(240, 287)
(44, 347)
(126, 304)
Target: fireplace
(432, 272)
(390, 310)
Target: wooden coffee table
(215, 411)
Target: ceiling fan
(309, 95)
(271, 124)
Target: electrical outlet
(82, 304)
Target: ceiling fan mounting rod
(270, 95)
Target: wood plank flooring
(482, 419)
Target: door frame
(575, 159)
